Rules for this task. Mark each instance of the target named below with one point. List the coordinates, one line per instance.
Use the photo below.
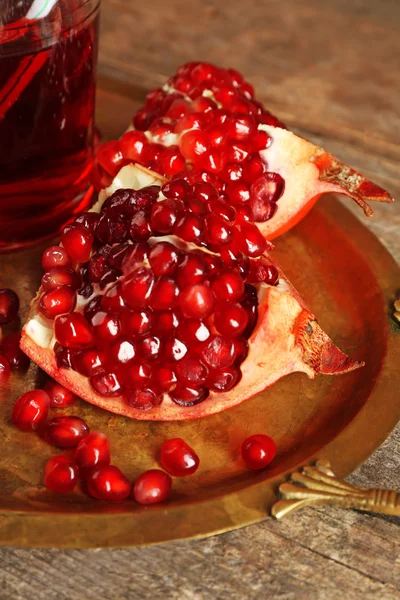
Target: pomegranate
(228, 138)
(60, 474)
(258, 451)
(9, 306)
(180, 330)
(178, 458)
(152, 487)
(108, 483)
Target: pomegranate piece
(65, 432)
(105, 482)
(30, 410)
(5, 371)
(77, 241)
(152, 487)
(178, 458)
(9, 306)
(258, 451)
(60, 474)
(10, 349)
(92, 451)
(60, 396)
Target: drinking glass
(48, 54)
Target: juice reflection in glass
(48, 53)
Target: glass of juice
(48, 54)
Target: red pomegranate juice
(47, 94)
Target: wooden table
(331, 71)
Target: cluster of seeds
(205, 118)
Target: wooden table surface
(331, 71)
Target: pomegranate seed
(143, 398)
(120, 353)
(253, 168)
(172, 161)
(9, 306)
(196, 206)
(217, 231)
(188, 396)
(228, 286)
(89, 220)
(236, 77)
(241, 350)
(191, 371)
(152, 487)
(5, 371)
(92, 451)
(244, 214)
(150, 347)
(223, 210)
(216, 136)
(190, 228)
(97, 267)
(88, 362)
(63, 356)
(230, 319)
(135, 256)
(165, 322)
(106, 327)
(247, 89)
(173, 350)
(192, 269)
(132, 145)
(213, 160)
(57, 302)
(238, 192)
(163, 258)
(65, 432)
(108, 483)
(137, 373)
(225, 94)
(223, 380)
(263, 272)
(218, 352)
(106, 384)
(241, 127)
(176, 189)
(138, 287)
(60, 474)
(10, 349)
(250, 240)
(61, 276)
(178, 458)
(178, 109)
(258, 451)
(193, 331)
(250, 304)
(193, 144)
(232, 257)
(140, 229)
(55, 256)
(60, 396)
(214, 264)
(118, 254)
(113, 300)
(30, 410)
(236, 151)
(77, 241)
(136, 324)
(163, 216)
(165, 294)
(261, 140)
(142, 120)
(205, 192)
(190, 122)
(265, 192)
(109, 157)
(92, 307)
(73, 331)
(197, 301)
(165, 378)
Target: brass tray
(348, 279)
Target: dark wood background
(331, 71)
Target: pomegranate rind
(286, 339)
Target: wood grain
(331, 71)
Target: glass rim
(27, 24)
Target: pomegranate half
(206, 118)
(161, 328)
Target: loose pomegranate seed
(106, 328)
(258, 451)
(177, 188)
(61, 276)
(165, 378)
(73, 331)
(218, 352)
(88, 362)
(57, 302)
(60, 396)
(143, 398)
(178, 458)
(106, 384)
(164, 258)
(188, 396)
(132, 145)
(223, 380)
(136, 324)
(11, 350)
(230, 319)
(189, 228)
(217, 231)
(165, 295)
(228, 286)
(250, 240)
(137, 373)
(60, 474)
(150, 347)
(5, 371)
(152, 487)
(138, 287)
(55, 256)
(197, 301)
(30, 410)
(65, 432)
(191, 371)
(92, 451)
(164, 215)
(9, 306)
(77, 241)
(108, 483)
(120, 353)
